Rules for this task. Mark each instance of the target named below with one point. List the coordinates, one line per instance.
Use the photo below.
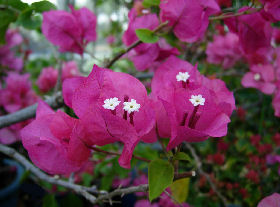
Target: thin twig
(200, 171)
(172, 197)
(119, 55)
(55, 101)
(117, 154)
(82, 190)
(229, 15)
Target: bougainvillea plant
(158, 103)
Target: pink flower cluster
(71, 32)
(224, 50)
(114, 107)
(7, 56)
(48, 77)
(16, 95)
(146, 55)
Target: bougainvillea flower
(11, 134)
(253, 30)
(70, 70)
(271, 10)
(112, 107)
(195, 107)
(7, 56)
(51, 142)
(270, 201)
(261, 77)
(144, 55)
(18, 93)
(145, 203)
(224, 50)
(111, 39)
(70, 31)
(189, 19)
(47, 79)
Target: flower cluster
(114, 107)
(48, 76)
(71, 32)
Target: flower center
(182, 76)
(111, 103)
(130, 107)
(257, 77)
(197, 100)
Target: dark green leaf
(42, 6)
(49, 201)
(160, 175)
(149, 3)
(14, 4)
(7, 16)
(181, 156)
(28, 20)
(146, 35)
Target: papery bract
(189, 19)
(52, 143)
(18, 92)
(144, 55)
(276, 103)
(100, 101)
(271, 10)
(224, 50)
(70, 70)
(253, 30)
(7, 56)
(70, 31)
(47, 79)
(270, 201)
(195, 107)
(261, 77)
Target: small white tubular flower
(111, 103)
(197, 100)
(257, 77)
(182, 76)
(131, 106)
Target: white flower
(257, 77)
(182, 76)
(131, 106)
(111, 103)
(197, 100)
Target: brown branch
(82, 190)
(117, 154)
(119, 55)
(229, 15)
(200, 171)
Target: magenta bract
(70, 31)
(51, 142)
(112, 107)
(270, 201)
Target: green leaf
(182, 156)
(49, 201)
(2, 34)
(87, 178)
(149, 3)
(146, 35)
(180, 189)
(7, 16)
(42, 6)
(15, 4)
(160, 175)
(28, 20)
